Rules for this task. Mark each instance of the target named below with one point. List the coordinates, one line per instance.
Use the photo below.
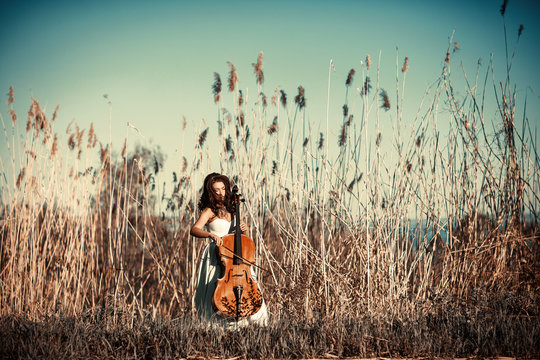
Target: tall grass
(334, 233)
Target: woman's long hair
(208, 197)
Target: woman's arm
(197, 228)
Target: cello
(237, 294)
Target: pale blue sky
(156, 59)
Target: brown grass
(92, 265)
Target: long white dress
(206, 282)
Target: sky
(156, 60)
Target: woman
(217, 212)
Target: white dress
(206, 282)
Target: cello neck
(238, 233)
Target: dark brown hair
(208, 197)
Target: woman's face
(219, 190)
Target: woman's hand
(217, 239)
(243, 227)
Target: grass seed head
(405, 64)
(273, 127)
(343, 134)
(240, 118)
(79, 138)
(202, 137)
(300, 99)
(20, 178)
(283, 98)
(216, 87)
(71, 141)
(13, 116)
(385, 100)
(275, 96)
(258, 69)
(54, 147)
(233, 77)
(240, 98)
(10, 96)
(228, 144)
(368, 61)
(350, 76)
(503, 7)
(184, 164)
(55, 114)
(366, 87)
(91, 135)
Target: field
(430, 252)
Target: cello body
(237, 294)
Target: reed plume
(216, 87)
(80, 134)
(228, 143)
(263, 98)
(184, 164)
(258, 69)
(247, 134)
(104, 152)
(368, 61)
(503, 7)
(321, 141)
(366, 87)
(273, 127)
(20, 177)
(300, 99)
(54, 147)
(13, 116)
(240, 118)
(91, 134)
(202, 137)
(350, 76)
(233, 77)
(55, 113)
(274, 167)
(385, 100)
(351, 185)
(240, 98)
(283, 98)
(10, 98)
(68, 128)
(344, 129)
(405, 64)
(71, 142)
(345, 110)
(520, 30)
